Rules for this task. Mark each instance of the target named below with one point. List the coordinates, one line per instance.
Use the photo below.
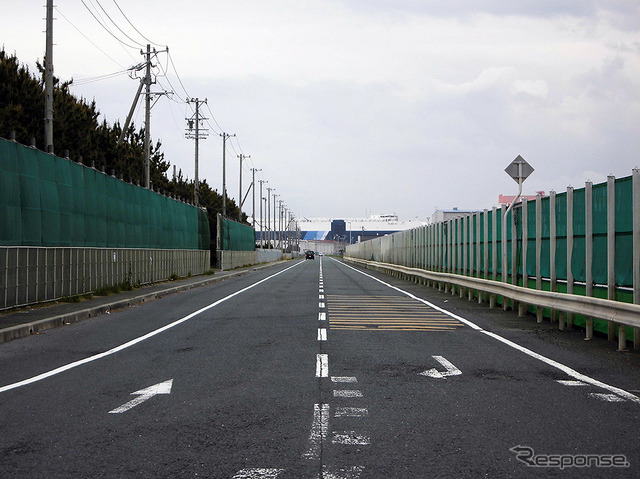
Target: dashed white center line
(321, 296)
(322, 334)
(321, 305)
(322, 366)
(566, 382)
(258, 473)
(322, 316)
(319, 431)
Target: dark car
(309, 255)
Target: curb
(34, 327)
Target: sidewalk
(22, 322)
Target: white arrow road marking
(451, 370)
(144, 394)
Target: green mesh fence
(233, 236)
(50, 201)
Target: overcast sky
(361, 107)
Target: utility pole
(261, 218)
(240, 200)
(147, 120)
(48, 82)
(224, 172)
(194, 124)
(274, 221)
(253, 186)
(269, 214)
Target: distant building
(444, 215)
(508, 199)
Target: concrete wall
(236, 259)
(30, 275)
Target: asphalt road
(314, 369)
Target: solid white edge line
(135, 341)
(566, 369)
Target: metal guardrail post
(552, 255)
(539, 252)
(588, 204)
(522, 307)
(611, 262)
(570, 279)
(636, 249)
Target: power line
(133, 26)
(84, 81)
(116, 25)
(106, 28)
(89, 40)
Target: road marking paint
(344, 379)
(451, 370)
(343, 473)
(347, 393)
(565, 382)
(143, 395)
(135, 341)
(322, 334)
(321, 290)
(606, 397)
(258, 473)
(351, 412)
(319, 431)
(322, 366)
(350, 438)
(565, 369)
(321, 305)
(322, 316)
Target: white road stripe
(321, 296)
(258, 473)
(347, 393)
(322, 316)
(343, 473)
(350, 438)
(565, 369)
(344, 379)
(565, 382)
(135, 341)
(322, 334)
(351, 412)
(319, 431)
(322, 366)
(606, 397)
(321, 305)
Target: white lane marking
(322, 334)
(321, 290)
(565, 369)
(347, 393)
(322, 316)
(319, 431)
(350, 438)
(451, 370)
(143, 395)
(258, 473)
(322, 366)
(606, 397)
(344, 379)
(565, 382)
(351, 412)
(135, 341)
(321, 296)
(321, 305)
(343, 473)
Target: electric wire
(89, 40)
(84, 81)
(133, 26)
(106, 28)
(116, 25)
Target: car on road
(309, 255)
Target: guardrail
(616, 312)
